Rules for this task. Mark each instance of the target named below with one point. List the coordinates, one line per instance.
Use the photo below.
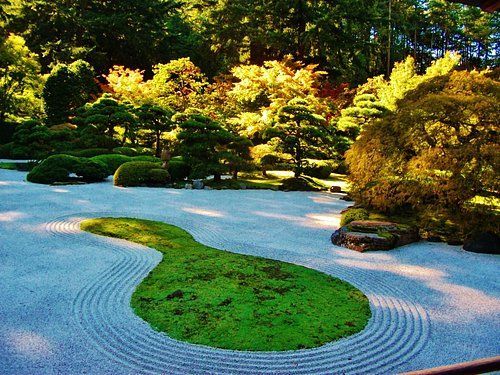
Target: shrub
(319, 168)
(302, 183)
(89, 153)
(91, 171)
(57, 168)
(138, 173)
(133, 151)
(112, 161)
(6, 150)
(179, 170)
(158, 176)
(150, 158)
(354, 214)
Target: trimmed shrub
(133, 151)
(319, 168)
(354, 214)
(138, 173)
(112, 161)
(179, 170)
(89, 153)
(158, 176)
(57, 168)
(91, 171)
(303, 183)
(153, 159)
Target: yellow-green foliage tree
(129, 85)
(178, 84)
(263, 90)
(379, 96)
(20, 80)
(436, 151)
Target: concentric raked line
(397, 330)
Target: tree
(129, 85)
(134, 33)
(177, 84)
(67, 88)
(300, 131)
(238, 156)
(203, 144)
(262, 90)
(379, 97)
(156, 119)
(104, 115)
(437, 151)
(20, 80)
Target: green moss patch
(212, 297)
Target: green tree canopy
(204, 145)
(300, 131)
(67, 88)
(20, 80)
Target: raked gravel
(64, 294)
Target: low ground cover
(212, 297)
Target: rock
(455, 242)
(485, 242)
(188, 186)
(365, 235)
(198, 184)
(335, 189)
(347, 198)
(207, 188)
(243, 187)
(361, 241)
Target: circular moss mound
(217, 298)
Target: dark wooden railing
(480, 366)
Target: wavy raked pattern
(396, 332)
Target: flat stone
(365, 235)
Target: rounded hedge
(140, 173)
(320, 168)
(178, 169)
(112, 161)
(89, 152)
(132, 151)
(302, 183)
(57, 168)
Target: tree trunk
(235, 174)
(158, 146)
(217, 177)
(298, 154)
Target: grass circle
(212, 297)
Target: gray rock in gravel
(486, 242)
(365, 235)
(198, 184)
(188, 186)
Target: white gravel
(64, 294)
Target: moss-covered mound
(212, 297)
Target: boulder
(485, 242)
(198, 184)
(335, 189)
(188, 186)
(365, 235)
